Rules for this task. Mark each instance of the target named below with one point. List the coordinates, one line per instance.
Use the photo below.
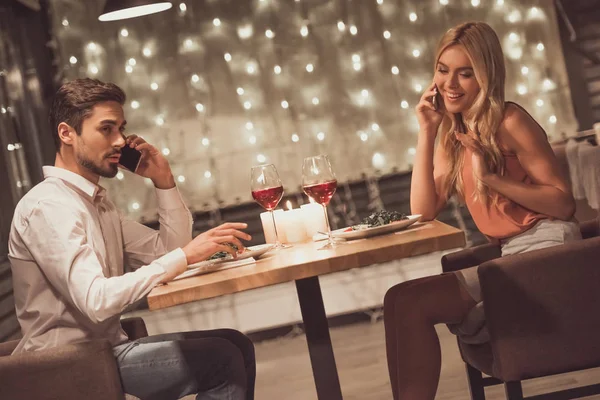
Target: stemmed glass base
(331, 243)
(278, 244)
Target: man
(68, 245)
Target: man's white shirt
(68, 246)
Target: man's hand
(214, 240)
(153, 164)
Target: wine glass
(319, 183)
(267, 190)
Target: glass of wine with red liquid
(319, 183)
(267, 190)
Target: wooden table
(304, 263)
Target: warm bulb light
(412, 16)
(353, 30)
(216, 22)
(295, 138)
(395, 70)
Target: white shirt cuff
(169, 199)
(173, 263)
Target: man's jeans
(216, 364)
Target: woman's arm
(427, 188)
(550, 193)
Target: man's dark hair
(75, 100)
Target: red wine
(321, 192)
(268, 198)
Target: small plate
(377, 230)
(254, 252)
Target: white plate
(253, 251)
(377, 230)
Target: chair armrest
(542, 310)
(470, 257)
(70, 372)
(590, 228)
(134, 327)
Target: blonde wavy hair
(484, 116)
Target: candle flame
(288, 204)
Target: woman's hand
(480, 167)
(428, 116)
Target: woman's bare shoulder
(518, 126)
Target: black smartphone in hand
(130, 158)
(434, 99)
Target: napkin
(205, 267)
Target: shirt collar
(89, 188)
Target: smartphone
(434, 99)
(130, 158)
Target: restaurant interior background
(222, 85)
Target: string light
(412, 151)
(416, 53)
(475, 3)
(181, 179)
(315, 101)
(73, 60)
(357, 66)
(514, 16)
(120, 176)
(378, 160)
(94, 69)
(353, 30)
(277, 69)
(135, 205)
(521, 89)
(341, 26)
(207, 174)
(227, 57)
(195, 78)
(182, 7)
(404, 104)
(65, 22)
(418, 87)
(548, 84)
(552, 119)
(380, 2)
(355, 58)
(135, 104)
(188, 43)
(166, 151)
(250, 68)
(200, 107)
(395, 70)
(444, 2)
(240, 91)
(304, 31)
(128, 69)
(10, 147)
(412, 16)
(124, 32)
(500, 2)
(375, 126)
(295, 138)
(132, 62)
(387, 34)
(261, 158)
(321, 136)
(160, 122)
(252, 139)
(249, 125)
(513, 37)
(284, 104)
(154, 86)
(524, 70)
(270, 34)
(217, 22)
(147, 52)
(364, 93)
(310, 67)
(92, 46)
(247, 105)
(364, 136)
(540, 46)
(539, 102)
(205, 142)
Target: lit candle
(314, 218)
(295, 230)
(269, 229)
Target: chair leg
(513, 390)
(475, 379)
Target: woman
(497, 159)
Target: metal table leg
(319, 341)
